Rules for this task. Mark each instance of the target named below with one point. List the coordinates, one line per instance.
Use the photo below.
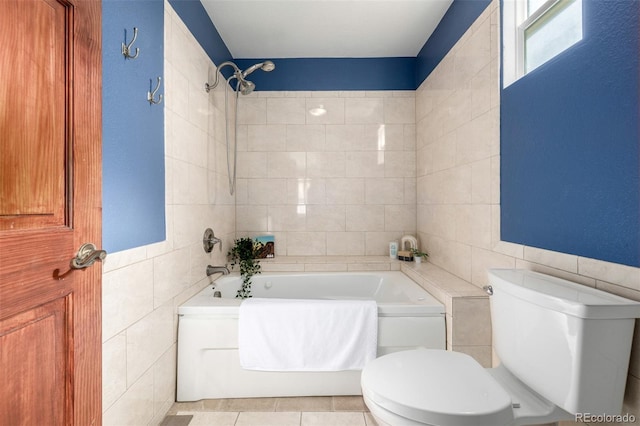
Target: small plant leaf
(244, 253)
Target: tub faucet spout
(215, 269)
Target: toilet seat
(436, 387)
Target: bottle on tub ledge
(393, 249)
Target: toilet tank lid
(562, 295)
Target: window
(536, 31)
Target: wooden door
(50, 190)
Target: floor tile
(177, 420)
(205, 418)
(333, 419)
(349, 403)
(268, 419)
(248, 404)
(291, 411)
(212, 404)
(305, 403)
(185, 406)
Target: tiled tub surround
(143, 286)
(458, 184)
(330, 264)
(342, 183)
(468, 316)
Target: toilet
(564, 349)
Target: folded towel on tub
(307, 334)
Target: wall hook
(151, 95)
(126, 48)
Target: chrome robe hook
(151, 95)
(126, 48)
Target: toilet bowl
(564, 349)
(433, 387)
(437, 387)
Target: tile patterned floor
(297, 411)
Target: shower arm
(237, 73)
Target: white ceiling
(325, 28)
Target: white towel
(307, 335)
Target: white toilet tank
(568, 342)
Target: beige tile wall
(458, 181)
(143, 286)
(338, 184)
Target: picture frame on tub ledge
(268, 250)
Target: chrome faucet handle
(209, 240)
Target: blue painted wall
(195, 17)
(459, 17)
(133, 131)
(330, 74)
(570, 158)
(334, 74)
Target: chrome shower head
(246, 86)
(267, 66)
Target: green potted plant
(418, 255)
(244, 253)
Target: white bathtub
(208, 363)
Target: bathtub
(208, 362)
